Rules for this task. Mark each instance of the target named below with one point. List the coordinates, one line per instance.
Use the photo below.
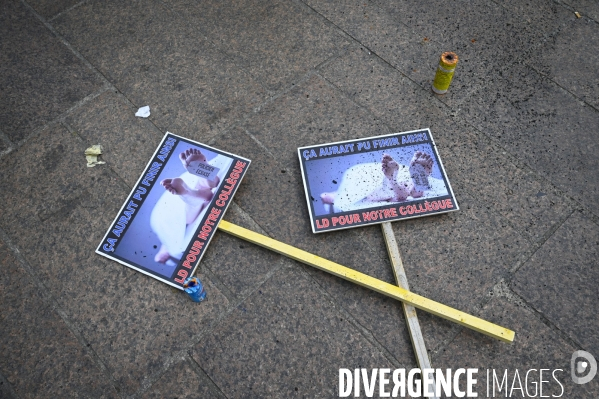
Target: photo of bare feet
(386, 181)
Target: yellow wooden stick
(392, 291)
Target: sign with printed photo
(170, 216)
(374, 180)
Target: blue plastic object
(194, 288)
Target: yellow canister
(445, 71)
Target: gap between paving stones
(66, 43)
(222, 287)
(53, 304)
(68, 10)
(562, 87)
(503, 290)
(203, 376)
(364, 330)
(526, 256)
(526, 60)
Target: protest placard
(170, 216)
(374, 180)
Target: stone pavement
(518, 133)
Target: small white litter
(143, 112)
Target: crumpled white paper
(143, 112)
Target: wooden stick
(392, 291)
(408, 310)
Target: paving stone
(155, 58)
(544, 126)
(40, 356)
(39, 77)
(128, 142)
(477, 31)
(532, 205)
(560, 280)
(535, 347)
(457, 258)
(50, 8)
(284, 341)
(415, 55)
(181, 381)
(276, 41)
(315, 113)
(569, 58)
(472, 163)
(132, 322)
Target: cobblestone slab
(544, 126)
(40, 78)
(575, 47)
(40, 356)
(276, 41)
(560, 280)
